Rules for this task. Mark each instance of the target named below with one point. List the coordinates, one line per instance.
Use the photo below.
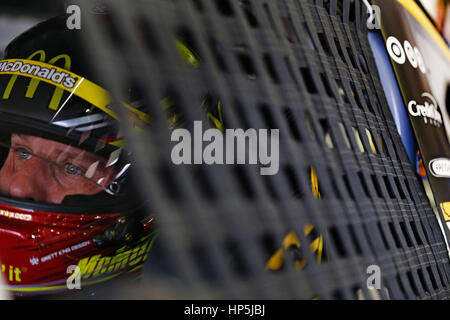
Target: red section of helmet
(38, 247)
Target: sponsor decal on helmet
(92, 270)
(65, 251)
(15, 215)
(44, 73)
(12, 273)
(428, 110)
(440, 167)
(81, 87)
(99, 265)
(38, 70)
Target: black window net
(345, 202)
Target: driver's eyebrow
(22, 137)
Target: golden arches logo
(31, 90)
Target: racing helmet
(70, 214)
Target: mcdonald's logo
(63, 80)
(37, 70)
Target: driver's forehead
(51, 148)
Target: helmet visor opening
(46, 171)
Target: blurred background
(439, 11)
(17, 16)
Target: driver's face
(27, 175)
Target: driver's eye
(24, 154)
(72, 169)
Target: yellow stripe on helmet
(81, 87)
